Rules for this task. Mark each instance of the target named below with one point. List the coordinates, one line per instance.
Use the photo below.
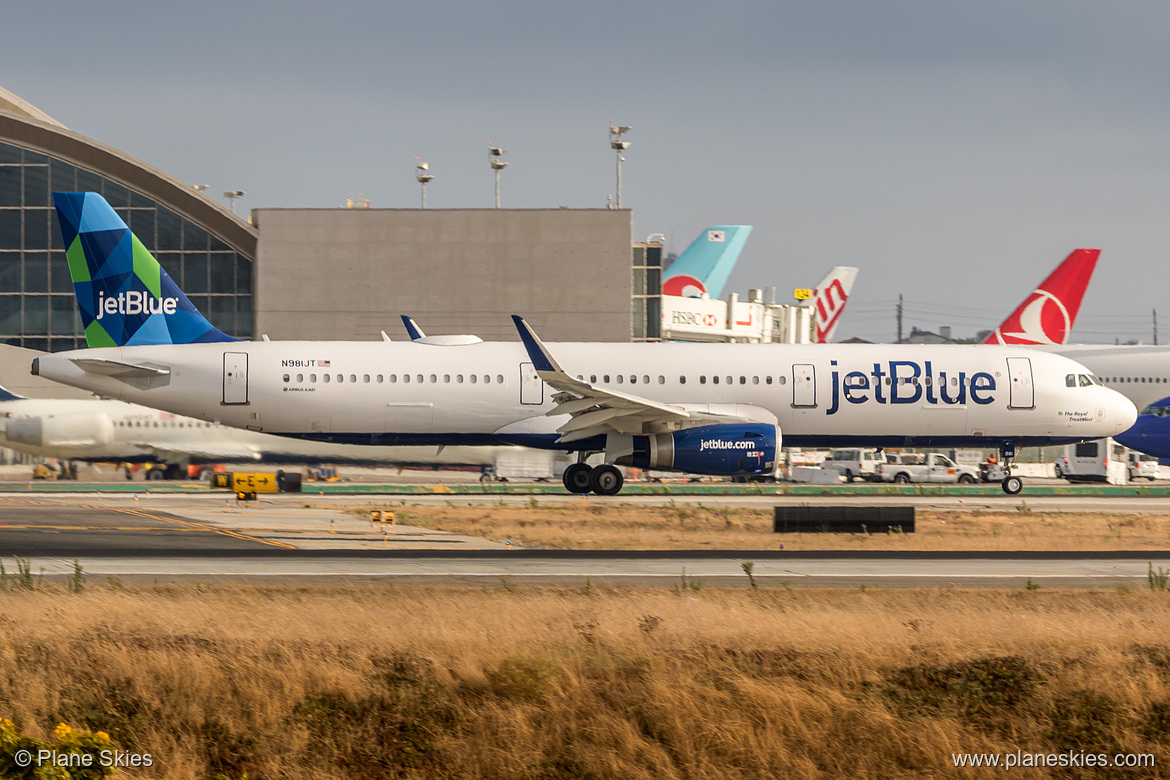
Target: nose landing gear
(1011, 484)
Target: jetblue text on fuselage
(135, 302)
(907, 382)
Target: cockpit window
(1086, 381)
(1070, 380)
(1157, 411)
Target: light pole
(231, 195)
(618, 145)
(494, 155)
(423, 178)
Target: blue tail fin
(124, 295)
(7, 396)
(704, 266)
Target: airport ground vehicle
(1101, 460)
(1142, 466)
(931, 467)
(854, 463)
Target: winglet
(412, 329)
(6, 395)
(542, 360)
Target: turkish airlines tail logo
(1048, 314)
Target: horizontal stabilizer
(118, 369)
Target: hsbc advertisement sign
(696, 316)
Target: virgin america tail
(1047, 315)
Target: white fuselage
(488, 393)
(107, 430)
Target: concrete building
(349, 273)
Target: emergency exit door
(531, 386)
(804, 385)
(1021, 393)
(235, 378)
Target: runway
(296, 538)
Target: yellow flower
(103, 736)
(61, 732)
(6, 724)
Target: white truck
(931, 467)
(853, 463)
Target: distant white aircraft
(701, 408)
(99, 431)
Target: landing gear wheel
(1012, 485)
(577, 478)
(606, 480)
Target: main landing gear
(603, 480)
(1011, 484)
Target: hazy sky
(954, 152)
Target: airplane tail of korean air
(1047, 315)
(830, 297)
(124, 295)
(704, 266)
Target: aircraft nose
(1122, 413)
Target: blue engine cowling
(722, 450)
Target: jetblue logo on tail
(135, 303)
(124, 296)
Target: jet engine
(61, 430)
(726, 449)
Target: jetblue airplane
(720, 409)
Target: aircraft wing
(597, 410)
(216, 452)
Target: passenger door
(235, 378)
(804, 385)
(1021, 393)
(531, 386)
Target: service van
(853, 463)
(1100, 460)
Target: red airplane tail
(1047, 315)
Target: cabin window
(419, 377)
(365, 379)
(434, 379)
(379, 378)
(661, 380)
(703, 379)
(313, 378)
(300, 377)
(755, 380)
(340, 378)
(645, 380)
(715, 380)
(682, 380)
(353, 378)
(605, 379)
(472, 378)
(394, 379)
(728, 380)
(593, 379)
(406, 378)
(633, 379)
(286, 377)
(619, 379)
(325, 377)
(499, 379)
(743, 380)
(459, 379)
(447, 378)
(767, 380)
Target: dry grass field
(507, 682)
(581, 525)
